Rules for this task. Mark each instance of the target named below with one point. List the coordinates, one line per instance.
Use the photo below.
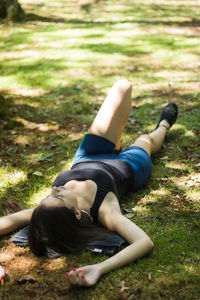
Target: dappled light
(40, 126)
(12, 178)
(56, 66)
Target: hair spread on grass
(54, 231)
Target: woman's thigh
(113, 114)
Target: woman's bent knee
(144, 142)
(124, 85)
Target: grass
(55, 70)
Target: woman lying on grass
(86, 196)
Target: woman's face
(61, 196)
(66, 195)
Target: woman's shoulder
(109, 208)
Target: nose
(61, 187)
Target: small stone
(164, 157)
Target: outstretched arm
(14, 221)
(140, 244)
(2, 274)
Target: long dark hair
(54, 231)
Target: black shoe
(169, 114)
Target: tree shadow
(43, 130)
(29, 17)
(69, 108)
(109, 48)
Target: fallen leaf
(150, 276)
(153, 112)
(2, 281)
(130, 68)
(36, 173)
(123, 287)
(164, 157)
(127, 210)
(51, 145)
(11, 206)
(129, 215)
(45, 157)
(26, 278)
(63, 162)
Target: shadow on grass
(109, 48)
(33, 74)
(67, 116)
(145, 14)
(51, 131)
(175, 234)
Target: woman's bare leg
(153, 142)
(113, 114)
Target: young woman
(87, 195)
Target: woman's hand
(86, 276)
(2, 274)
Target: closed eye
(60, 198)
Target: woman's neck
(85, 192)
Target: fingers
(76, 277)
(2, 274)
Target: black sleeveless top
(110, 175)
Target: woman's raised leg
(153, 142)
(113, 114)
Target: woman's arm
(14, 221)
(2, 274)
(140, 244)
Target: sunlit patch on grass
(74, 136)
(6, 257)
(159, 193)
(39, 126)
(18, 55)
(23, 139)
(173, 74)
(194, 195)
(177, 165)
(56, 68)
(11, 177)
(54, 265)
(189, 133)
(28, 262)
(189, 60)
(38, 196)
(190, 268)
(143, 211)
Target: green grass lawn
(55, 70)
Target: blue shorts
(97, 147)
